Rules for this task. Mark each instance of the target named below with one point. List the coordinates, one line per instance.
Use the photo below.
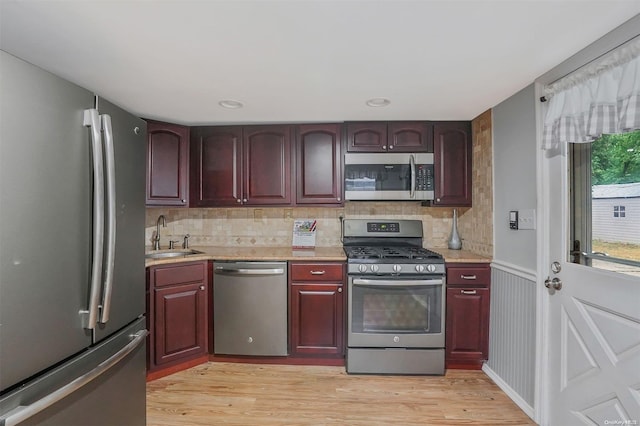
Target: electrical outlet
(257, 215)
(288, 213)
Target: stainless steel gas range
(396, 299)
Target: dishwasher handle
(225, 270)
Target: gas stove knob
(362, 268)
(420, 268)
(397, 268)
(374, 268)
(431, 268)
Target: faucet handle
(172, 244)
(185, 243)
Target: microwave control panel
(424, 177)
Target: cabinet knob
(183, 201)
(339, 289)
(384, 147)
(390, 146)
(438, 199)
(238, 200)
(339, 199)
(244, 200)
(202, 287)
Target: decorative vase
(454, 242)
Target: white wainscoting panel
(512, 332)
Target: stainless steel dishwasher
(250, 308)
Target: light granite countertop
(319, 254)
(461, 256)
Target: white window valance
(603, 98)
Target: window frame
(581, 210)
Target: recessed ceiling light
(230, 104)
(378, 102)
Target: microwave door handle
(412, 163)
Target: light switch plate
(527, 219)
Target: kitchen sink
(167, 254)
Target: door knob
(555, 283)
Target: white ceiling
(304, 61)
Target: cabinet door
(319, 164)
(317, 319)
(216, 166)
(267, 165)
(367, 137)
(167, 164)
(410, 136)
(467, 325)
(180, 322)
(452, 163)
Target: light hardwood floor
(251, 394)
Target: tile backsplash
(273, 226)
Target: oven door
(396, 312)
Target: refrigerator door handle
(90, 316)
(109, 260)
(22, 413)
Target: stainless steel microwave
(383, 176)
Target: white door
(592, 324)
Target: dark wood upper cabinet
(267, 165)
(216, 166)
(319, 164)
(367, 137)
(392, 136)
(410, 136)
(452, 163)
(167, 164)
(240, 165)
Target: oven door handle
(386, 283)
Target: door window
(605, 203)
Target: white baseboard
(524, 406)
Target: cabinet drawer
(468, 275)
(317, 271)
(170, 275)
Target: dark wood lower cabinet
(467, 316)
(316, 327)
(178, 313)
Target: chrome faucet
(156, 239)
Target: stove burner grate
(372, 252)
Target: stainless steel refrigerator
(72, 280)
